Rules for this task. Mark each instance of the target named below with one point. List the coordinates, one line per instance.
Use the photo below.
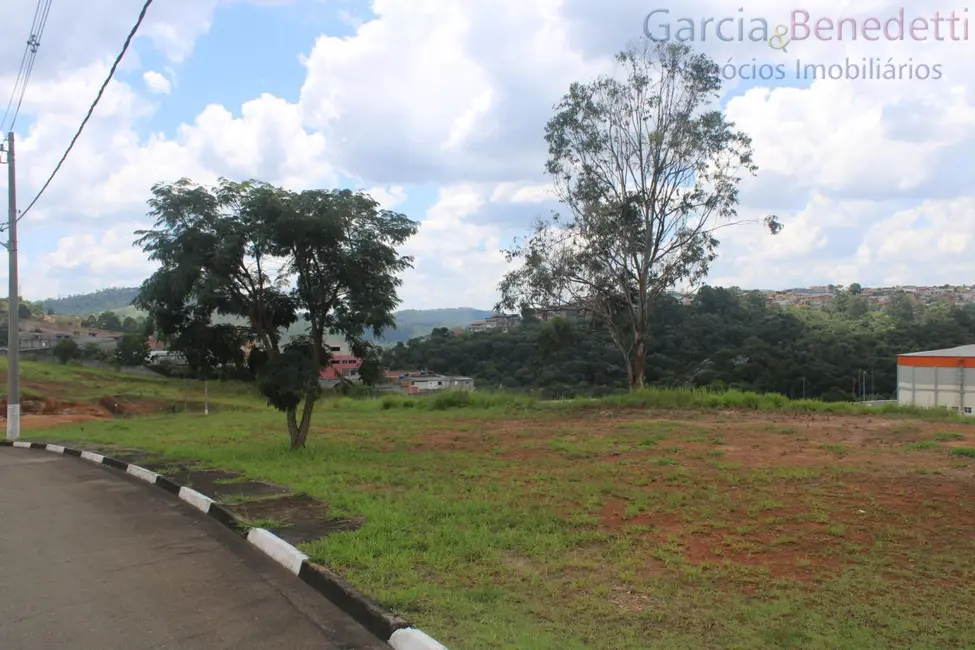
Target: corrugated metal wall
(953, 388)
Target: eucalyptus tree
(647, 168)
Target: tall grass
(678, 399)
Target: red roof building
(342, 365)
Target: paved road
(92, 559)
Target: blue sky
(438, 108)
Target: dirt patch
(121, 406)
(301, 517)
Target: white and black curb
(387, 626)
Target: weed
(921, 445)
(838, 450)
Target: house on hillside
(497, 322)
(419, 382)
(340, 367)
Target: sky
(438, 108)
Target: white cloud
(156, 83)
(870, 177)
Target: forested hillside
(410, 323)
(92, 303)
(725, 338)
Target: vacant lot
(63, 394)
(569, 527)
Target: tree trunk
(298, 431)
(292, 417)
(636, 367)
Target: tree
(94, 352)
(67, 350)
(50, 311)
(23, 311)
(340, 247)
(130, 325)
(271, 257)
(132, 350)
(109, 320)
(648, 172)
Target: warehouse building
(938, 378)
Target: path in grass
(627, 529)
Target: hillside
(410, 323)
(114, 299)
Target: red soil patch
(865, 487)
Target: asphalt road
(92, 559)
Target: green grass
(501, 521)
(78, 383)
(677, 399)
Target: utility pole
(13, 301)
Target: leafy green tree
(132, 350)
(901, 308)
(272, 257)
(23, 310)
(648, 171)
(109, 320)
(50, 311)
(67, 350)
(94, 352)
(130, 325)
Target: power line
(41, 12)
(23, 65)
(98, 97)
(33, 44)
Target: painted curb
(395, 631)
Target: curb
(395, 631)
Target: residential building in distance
(816, 297)
(501, 322)
(419, 382)
(340, 367)
(877, 297)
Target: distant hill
(115, 299)
(410, 323)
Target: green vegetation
(273, 257)
(647, 169)
(410, 323)
(80, 384)
(112, 299)
(725, 338)
(657, 519)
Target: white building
(428, 383)
(938, 378)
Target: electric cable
(41, 12)
(91, 109)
